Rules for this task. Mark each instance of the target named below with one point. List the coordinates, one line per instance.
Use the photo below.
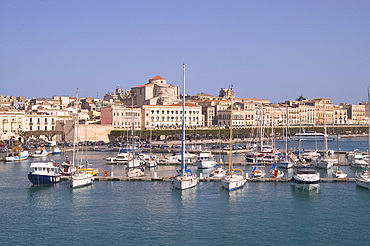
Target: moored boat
(40, 152)
(205, 160)
(17, 154)
(306, 178)
(362, 179)
(44, 173)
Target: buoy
(105, 174)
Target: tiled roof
(156, 78)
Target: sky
(274, 50)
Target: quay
(167, 179)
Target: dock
(167, 179)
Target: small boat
(306, 178)
(56, 151)
(256, 173)
(205, 160)
(363, 179)
(66, 169)
(151, 162)
(44, 173)
(285, 163)
(41, 152)
(324, 163)
(17, 154)
(275, 173)
(89, 170)
(339, 174)
(135, 172)
(218, 173)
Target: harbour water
(131, 213)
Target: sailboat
(79, 178)
(135, 164)
(219, 172)
(152, 160)
(232, 180)
(185, 178)
(362, 178)
(275, 173)
(285, 162)
(323, 161)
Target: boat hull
(81, 180)
(184, 182)
(233, 183)
(37, 179)
(364, 183)
(285, 165)
(206, 164)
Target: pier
(168, 179)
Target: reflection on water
(305, 193)
(185, 195)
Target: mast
(368, 118)
(132, 130)
(75, 141)
(325, 136)
(286, 130)
(231, 137)
(183, 123)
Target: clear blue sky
(274, 50)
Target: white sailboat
(79, 178)
(233, 179)
(135, 164)
(324, 162)
(152, 160)
(185, 178)
(285, 162)
(363, 178)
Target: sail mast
(231, 137)
(183, 122)
(325, 136)
(368, 117)
(75, 141)
(286, 130)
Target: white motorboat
(356, 159)
(185, 178)
(206, 160)
(363, 179)
(44, 173)
(218, 173)
(306, 178)
(311, 136)
(339, 174)
(40, 153)
(135, 172)
(151, 162)
(56, 151)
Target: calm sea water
(131, 213)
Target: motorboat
(362, 179)
(17, 154)
(324, 163)
(56, 151)
(339, 174)
(121, 158)
(285, 163)
(135, 172)
(205, 160)
(41, 153)
(66, 168)
(356, 159)
(311, 136)
(218, 173)
(306, 178)
(44, 173)
(151, 162)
